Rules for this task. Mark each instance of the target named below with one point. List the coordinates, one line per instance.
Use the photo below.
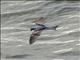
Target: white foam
(57, 59)
(77, 44)
(63, 50)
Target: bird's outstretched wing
(40, 20)
(35, 34)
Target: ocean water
(16, 21)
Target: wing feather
(34, 36)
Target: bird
(38, 30)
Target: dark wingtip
(31, 41)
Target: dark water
(16, 21)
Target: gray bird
(38, 28)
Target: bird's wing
(38, 21)
(35, 34)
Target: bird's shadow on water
(19, 56)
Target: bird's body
(39, 27)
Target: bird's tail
(55, 27)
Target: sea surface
(16, 21)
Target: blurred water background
(16, 21)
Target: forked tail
(55, 27)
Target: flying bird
(38, 28)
